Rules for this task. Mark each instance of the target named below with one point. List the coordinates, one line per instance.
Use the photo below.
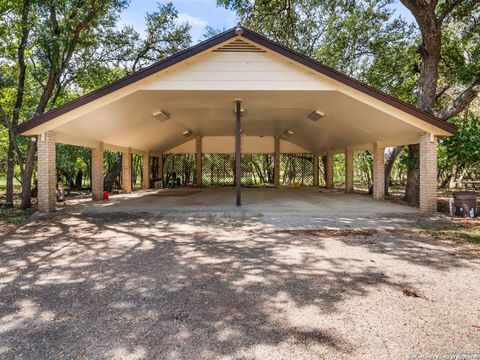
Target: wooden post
(146, 171)
(276, 161)
(160, 167)
(348, 170)
(329, 170)
(315, 170)
(198, 161)
(238, 168)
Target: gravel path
(119, 285)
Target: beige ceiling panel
(129, 122)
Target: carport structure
(235, 93)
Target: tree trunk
(78, 180)
(27, 175)
(392, 155)
(412, 190)
(324, 167)
(112, 175)
(10, 173)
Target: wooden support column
(146, 171)
(428, 172)
(329, 184)
(97, 172)
(46, 172)
(348, 170)
(160, 168)
(127, 171)
(198, 161)
(378, 172)
(316, 169)
(276, 161)
(238, 168)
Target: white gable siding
(238, 71)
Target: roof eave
(347, 80)
(216, 40)
(127, 80)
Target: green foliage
(349, 36)
(71, 48)
(463, 149)
(3, 151)
(73, 165)
(363, 164)
(211, 32)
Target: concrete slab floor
(263, 208)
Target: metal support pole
(238, 154)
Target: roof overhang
(121, 113)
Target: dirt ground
(95, 285)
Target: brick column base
(428, 172)
(97, 172)
(348, 170)
(127, 171)
(378, 172)
(46, 172)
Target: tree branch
(461, 102)
(55, 72)
(442, 91)
(10, 128)
(22, 67)
(450, 6)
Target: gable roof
(216, 40)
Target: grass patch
(15, 216)
(457, 232)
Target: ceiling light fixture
(316, 115)
(187, 133)
(239, 30)
(289, 133)
(161, 115)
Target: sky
(199, 14)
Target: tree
(364, 39)
(56, 51)
(50, 35)
(448, 32)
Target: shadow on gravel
(128, 285)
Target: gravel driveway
(123, 285)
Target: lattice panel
(296, 169)
(178, 169)
(218, 169)
(257, 169)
